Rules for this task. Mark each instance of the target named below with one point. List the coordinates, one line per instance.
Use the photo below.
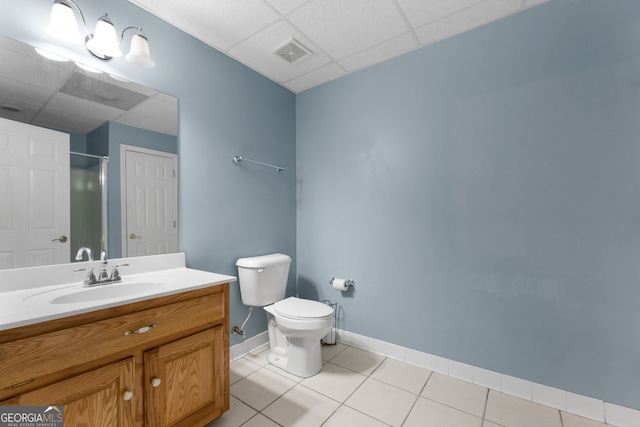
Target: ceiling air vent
(292, 51)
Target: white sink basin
(80, 294)
(101, 292)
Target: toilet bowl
(296, 327)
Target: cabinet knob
(156, 382)
(127, 395)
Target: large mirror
(119, 162)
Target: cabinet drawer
(30, 358)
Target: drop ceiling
(62, 96)
(343, 36)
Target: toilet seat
(301, 309)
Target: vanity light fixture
(103, 43)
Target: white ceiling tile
(351, 33)
(379, 53)
(284, 6)
(167, 98)
(26, 112)
(82, 107)
(421, 12)
(158, 110)
(315, 78)
(32, 70)
(343, 28)
(256, 52)
(12, 89)
(56, 119)
(220, 23)
(468, 19)
(149, 123)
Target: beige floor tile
(260, 421)
(358, 360)
(515, 412)
(427, 413)
(570, 420)
(240, 368)
(261, 388)
(382, 401)
(346, 416)
(335, 382)
(330, 351)
(402, 375)
(456, 393)
(490, 424)
(284, 373)
(259, 356)
(301, 407)
(237, 414)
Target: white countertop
(24, 300)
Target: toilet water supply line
(240, 331)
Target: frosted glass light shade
(139, 53)
(104, 42)
(62, 23)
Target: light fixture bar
(103, 44)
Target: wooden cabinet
(177, 378)
(160, 362)
(96, 398)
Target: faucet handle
(115, 274)
(90, 280)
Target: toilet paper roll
(340, 284)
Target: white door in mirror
(34, 174)
(149, 202)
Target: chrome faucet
(103, 276)
(83, 250)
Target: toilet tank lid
(263, 261)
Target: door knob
(60, 239)
(127, 395)
(156, 382)
(134, 236)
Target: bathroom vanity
(156, 357)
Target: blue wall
(483, 194)
(226, 211)
(481, 191)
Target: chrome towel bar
(238, 159)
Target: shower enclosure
(88, 204)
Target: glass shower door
(88, 204)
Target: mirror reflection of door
(149, 201)
(34, 195)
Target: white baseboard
(576, 404)
(248, 345)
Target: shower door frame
(104, 229)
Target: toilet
(296, 325)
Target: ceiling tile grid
(344, 36)
(256, 53)
(61, 96)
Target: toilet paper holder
(348, 282)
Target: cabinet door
(93, 399)
(186, 378)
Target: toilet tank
(263, 279)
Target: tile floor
(362, 389)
